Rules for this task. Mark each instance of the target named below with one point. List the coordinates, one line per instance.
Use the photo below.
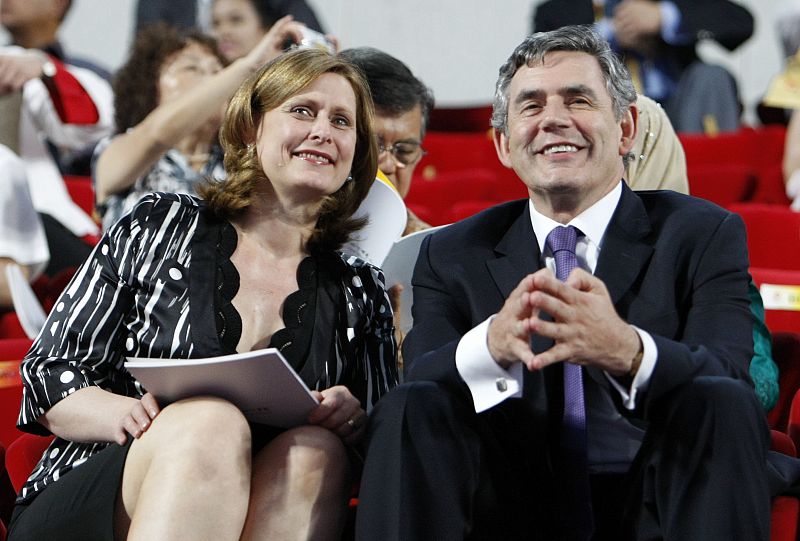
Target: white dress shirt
(489, 383)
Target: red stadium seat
(785, 509)
(11, 352)
(455, 151)
(23, 455)
(722, 183)
(770, 187)
(460, 119)
(786, 352)
(773, 235)
(780, 291)
(81, 191)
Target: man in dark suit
(658, 41)
(491, 439)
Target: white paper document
(398, 267)
(386, 214)
(260, 383)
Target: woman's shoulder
(159, 204)
(160, 210)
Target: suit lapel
(517, 255)
(625, 247)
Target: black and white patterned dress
(160, 284)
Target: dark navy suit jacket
(675, 266)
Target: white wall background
(455, 46)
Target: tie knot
(562, 238)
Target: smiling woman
(256, 265)
(292, 96)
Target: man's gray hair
(568, 38)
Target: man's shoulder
(668, 203)
(485, 227)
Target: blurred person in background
(238, 25)
(658, 43)
(403, 105)
(197, 13)
(22, 239)
(169, 101)
(59, 111)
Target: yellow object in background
(780, 297)
(784, 90)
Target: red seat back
(773, 235)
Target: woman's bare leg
(301, 482)
(188, 476)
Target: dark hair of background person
(394, 88)
(284, 77)
(136, 83)
(267, 15)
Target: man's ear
(629, 124)
(501, 147)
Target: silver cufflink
(502, 384)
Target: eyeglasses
(403, 152)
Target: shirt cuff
(489, 383)
(671, 30)
(641, 381)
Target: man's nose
(387, 162)
(554, 115)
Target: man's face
(405, 131)
(563, 139)
(16, 14)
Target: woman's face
(185, 70)
(236, 27)
(306, 144)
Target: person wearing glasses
(402, 107)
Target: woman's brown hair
(265, 90)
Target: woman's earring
(349, 178)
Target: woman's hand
(340, 412)
(271, 45)
(93, 414)
(137, 419)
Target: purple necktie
(562, 241)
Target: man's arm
(728, 23)
(715, 337)
(72, 108)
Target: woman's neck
(280, 231)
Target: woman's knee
(312, 447)
(199, 426)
